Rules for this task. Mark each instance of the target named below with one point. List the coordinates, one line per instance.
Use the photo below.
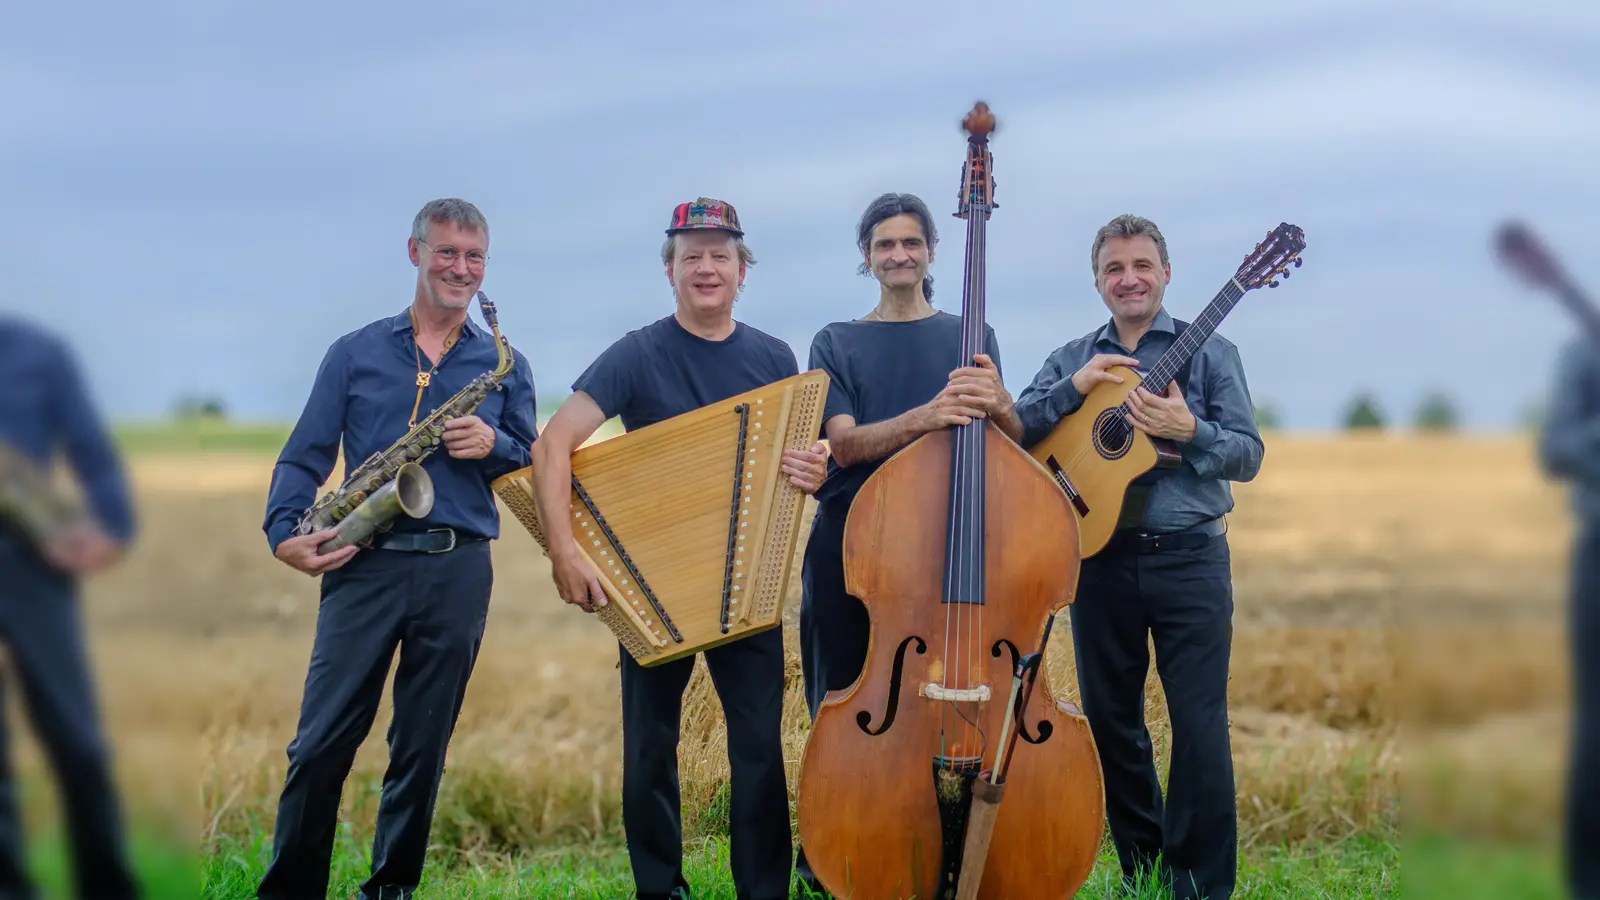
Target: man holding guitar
(1168, 576)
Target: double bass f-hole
(864, 718)
(1045, 728)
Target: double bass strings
(963, 551)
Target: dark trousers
(748, 677)
(1183, 599)
(1582, 827)
(834, 630)
(432, 607)
(39, 621)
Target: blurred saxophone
(393, 482)
(33, 503)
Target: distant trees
(200, 406)
(1267, 417)
(1364, 414)
(1436, 413)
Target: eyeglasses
(475, 258)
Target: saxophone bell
(409, 492)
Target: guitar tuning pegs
(1272, 284)
(1287, 273)
(1297, 262)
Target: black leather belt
(1131, 540)
(434, 540)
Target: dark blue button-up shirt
(363, 394)
(1226, 445)
(1569, 442)
(45, 409)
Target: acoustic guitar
(1527, 256)
(1105, 465)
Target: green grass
(199, 435)
(187, 436)
(1363, 867)
(1439, 867)
(163, 866)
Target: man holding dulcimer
(695, 357)
(1166, 573)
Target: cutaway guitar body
(1106, 469)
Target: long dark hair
(887, 206)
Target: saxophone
(31, 502)
(393, 482)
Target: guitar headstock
(1272, 257)
(977, 180)
(1525, 255)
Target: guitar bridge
(1061, 478)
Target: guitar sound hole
(1112, 436)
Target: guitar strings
(1117, 430)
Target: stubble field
(1377, 579)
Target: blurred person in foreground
(45, 409)
(1569, 448)
(422, 587)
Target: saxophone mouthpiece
(486, 306)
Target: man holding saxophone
(422, 586)
(48, 543)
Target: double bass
(962, 550)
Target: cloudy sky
(205, 194)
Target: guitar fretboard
(1178, 355)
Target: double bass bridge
(955, 695)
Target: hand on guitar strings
(1161, 416)
(575, 579)
(468, 437)
(1094, 371)
(806, 468)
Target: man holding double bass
(1169, 577)
(895, 375)
(692, 358)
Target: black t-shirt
(880, 370)
(661, 370)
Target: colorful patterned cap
(705, 213)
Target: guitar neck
(1582, 307)
(1177, 358)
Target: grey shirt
(1569, 442)
(1226, 445)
